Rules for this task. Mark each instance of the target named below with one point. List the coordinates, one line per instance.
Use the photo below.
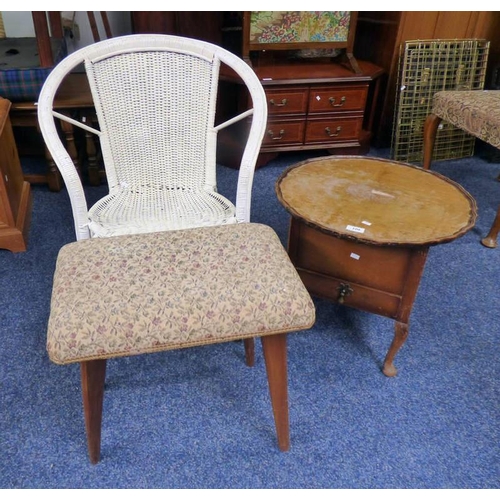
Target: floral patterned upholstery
(476, 112)
(136, 294)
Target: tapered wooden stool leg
(93, 374)
(249, 351)
(430, 130)
(490, 240)
(274, 347)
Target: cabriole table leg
(400, 336)
(412, 281)
(490, 240)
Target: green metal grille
(426, 67)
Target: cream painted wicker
(155, 99)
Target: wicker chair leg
(93, 374)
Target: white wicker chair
(155, 99)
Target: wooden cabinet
(15, 193)
(380, 35)
(318, 105)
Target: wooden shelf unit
(15, 192)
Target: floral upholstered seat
(170, 290)
(477, 112)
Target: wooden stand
(15, 193)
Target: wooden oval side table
(361, 228)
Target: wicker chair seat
(144, 210)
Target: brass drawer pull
(283, 103)
(341, 103)
(344, 290)
(277, 138)
(335, 134)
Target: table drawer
(359, 296)
(284, 132)
(333, 130)
(382, 267)
(287, 101)
(326, 100)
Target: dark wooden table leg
(274, 347)
(414, 274)
(430, 130)
(93, 374)
(90, 147)
(69, 136)
(490, 240)
(53, 177)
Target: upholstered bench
(477, 112)
(139, 294)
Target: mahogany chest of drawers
(319, 106)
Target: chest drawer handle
(344, 290)
(283, 103)
(341, 103)
(277, 138)
(334, 134)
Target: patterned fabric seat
(474, 111)
(144, 293)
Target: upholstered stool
(474, 111)
(138, 294)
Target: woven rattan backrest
(156, 112)
(155, 97)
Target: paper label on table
(366, 223)
(381, 193)
(355, 229)
(354, 256)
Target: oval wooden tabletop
(377, 201)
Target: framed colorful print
(297, 30)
